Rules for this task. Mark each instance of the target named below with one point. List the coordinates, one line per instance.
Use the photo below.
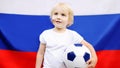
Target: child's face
(60, 17)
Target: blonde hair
(65, 7)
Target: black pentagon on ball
(86, 56)
(71, 56)
(78, 45)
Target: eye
(63, 14)
(56, 13)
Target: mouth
(58, 21)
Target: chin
(59, 27)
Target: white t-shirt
(56, 43)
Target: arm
(93, 61)
(40, 55)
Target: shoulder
(44, 35)
(72, 31)
(47, 31)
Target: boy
(54, 41)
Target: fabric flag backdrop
(22, 21)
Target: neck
(60, 30)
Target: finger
(88, 62)
(90, 66)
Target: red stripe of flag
(17, 59)
(108, 59)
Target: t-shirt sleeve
(77, 38)
(42, 37)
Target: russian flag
(22, 21)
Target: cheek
(52, 20)
(53, 17)
(65, 19)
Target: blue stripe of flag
(21, 32)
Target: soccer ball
(76, 56)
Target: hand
(91, 63)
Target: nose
(58, 16)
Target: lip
(58, 22)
